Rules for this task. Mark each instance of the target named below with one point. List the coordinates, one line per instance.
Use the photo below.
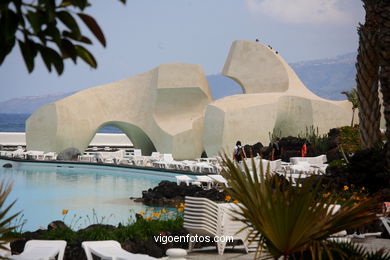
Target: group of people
(276, 152)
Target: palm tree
(291, 220)
(367, 76)
(5, 217)
(353, 98)
(383, 11)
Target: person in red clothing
(304, 149)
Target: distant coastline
(17, 123)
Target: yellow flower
(141, 212)
(346, 187)
(149, 218)
(182, 205)
(163, 211)
(180, 209)
(64, 211)
(235, 201)
(156, 214)
(228, 198)
(325, 195)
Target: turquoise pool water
(44, 190)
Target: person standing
(239, 153)
(276, 150)
(304, 150)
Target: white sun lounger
(110, 249)
(42, 250)
(219, 179)
(183, 178)
(205, 179)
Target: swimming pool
(43, 190)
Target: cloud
(303, 11)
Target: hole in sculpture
(134, 134)
(222, 86)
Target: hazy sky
(145, 33)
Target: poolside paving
(372, 244)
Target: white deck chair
(183, 178)
(205, 217)
(110, 249)
(219, 179)
(137, 152)
(50, 156)
(205, 179)
(42, 250)
(5, 253)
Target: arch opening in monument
(222, 86)
(137, 136)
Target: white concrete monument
(170, 109)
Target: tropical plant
(353, 98)
(6, 220)
(291, 220)
(350, 140)
(383, 12)
(358, 252)
(367, 66)
(49, 28)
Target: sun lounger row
(205, 181)
(34, 155)
(207, 218)
(55, 249)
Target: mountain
(326, 78)
(27, 105)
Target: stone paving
(239, 253)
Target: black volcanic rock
(169, 194)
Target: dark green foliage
(357, 252)
(64, 233)
(365, 169)
(318, 144)
(350, 140)
(48, 28)
(291, 220)
(346, 250)
(143, 229)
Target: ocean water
(17, 123)
(91, 194)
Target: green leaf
(53, 31)
(5, 48)
(67, 19)
(74, 37)
(50, 6)
(35, 21)
(86, 56)
(56, 59)
(27, 55)
(94, 27)
(9, 21)
(68, 50)
(45, 54)
(81, 4)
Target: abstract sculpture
(170, 109)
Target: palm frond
(290, 219)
